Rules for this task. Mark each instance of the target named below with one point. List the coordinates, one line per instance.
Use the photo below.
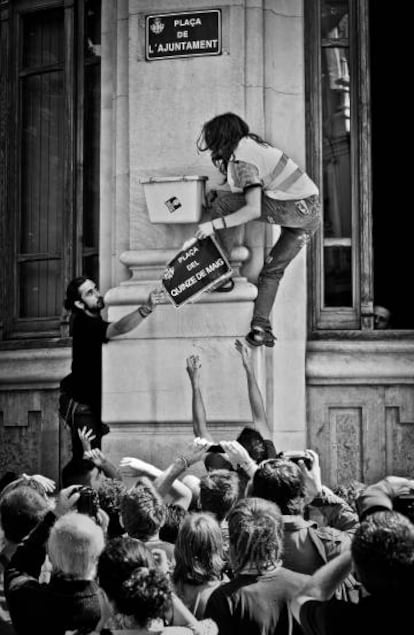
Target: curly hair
(282, 482)
(145, 595)
(256, 534)
(198, 552)
(221, 136)
(142, 510)
(219, 491)
(254, 443)
(383, 553)
(110, 493)
(120, 557)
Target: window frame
(16, 328)
(359, 317)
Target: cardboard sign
(183, 34)
(194, 270)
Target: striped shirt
(279, 176)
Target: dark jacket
(52, 608)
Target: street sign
(194, 270)
(182, 34)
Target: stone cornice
(360, 362)
(34, 368)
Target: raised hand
(130, 462)
(66, 500)
(196, 450)
(48, 485)
(236, 453)
(96, 456)
(193, 366)
(245, 353)
(313, 476)
(86, 435)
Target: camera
(217, 449)
(88, 501)
(404, 504)
(296, 456)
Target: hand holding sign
(199, 266)
(205, 229)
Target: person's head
(82, 295)
(219, 491)
(256, 535)
(120, 557)
(110, 493)
(198, 551)
(282, 482)
(81, 472)
(20, 511)
(142, 510)
(174, 517)
(382, 317)
(27, 481)
(221, 136)
(383, 553)
(74, 546)
(145, 596)
(254, 443)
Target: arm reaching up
(133, 319)
(195, 452)
(170, 489)
(260, 422)
(199, 412)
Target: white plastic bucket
(174, 199)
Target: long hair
(221, 136)
(72, 292)
(199, 550)
(256, 534)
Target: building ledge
(360, 362)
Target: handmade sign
(195, 269)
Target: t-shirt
(85, 382)
(255, 604)
(382, 616)
(280, 177)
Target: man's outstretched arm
(133, 319)
(199, 412)
(260, 422)
(322, 584)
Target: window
(50, 194)
(338, 144)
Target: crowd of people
(255, 545)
